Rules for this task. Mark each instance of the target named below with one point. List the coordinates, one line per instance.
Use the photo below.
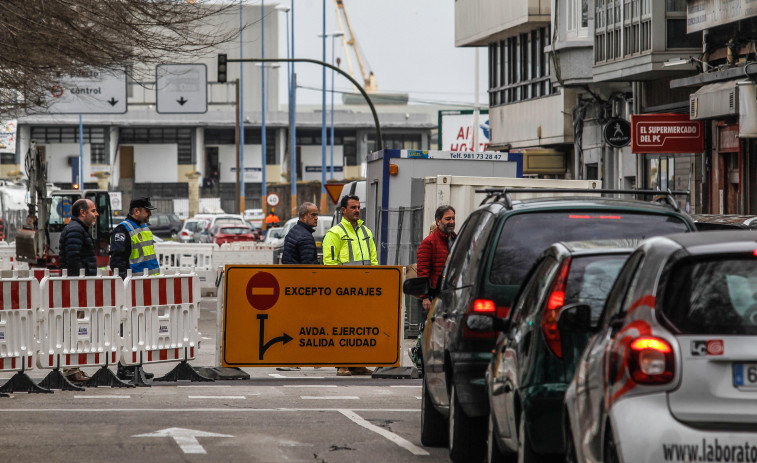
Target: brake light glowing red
(483, 306)
(601, 217)
(651, 343)
(755, 252)
(555, 301)
(651, 360)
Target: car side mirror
(417, 287)
(575, 318)
(486, 323)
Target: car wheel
(493, 453)
(433, 423)
(466, 434)
(570, 444)
(526, 453)
(610, 449)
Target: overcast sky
(408, 44)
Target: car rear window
(712, 296)
(235, 230)
(590, 280)
(525, 236)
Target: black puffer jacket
(77, 249)
(299, 246)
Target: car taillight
(484, 307)
(555, 301)
(650, 360)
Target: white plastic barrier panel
(8, 258)
(243, 253)
(197, 257)
(162, 318)
(19, 301)
(79, 321)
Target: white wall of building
(58, 168)
(156, 163)
(227, 158)
(312, 157)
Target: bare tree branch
(42, 39)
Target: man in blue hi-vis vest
(132, 247)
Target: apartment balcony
(634, 38)
(536, 122)
(479, 22)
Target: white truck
(460, 192)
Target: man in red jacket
(431, 256)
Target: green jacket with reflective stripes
(344, 245)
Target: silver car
(671, 373)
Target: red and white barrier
(79, 321)
(19, 301)
(162, 319)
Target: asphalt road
(308, 415)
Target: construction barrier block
(162, 319)
(19, 301)
(79, 321)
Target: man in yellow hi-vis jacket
(350, 243)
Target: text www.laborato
(710, 451)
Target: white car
(671, 373)
(324, 223)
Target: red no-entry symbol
(57, 91)
(263, 291)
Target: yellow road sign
(278, 315)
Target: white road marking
(404, 443)
(278, 376)
(102, 396)
(418, 397)
(202, 410)
(186, 439)
(406, 386)
(331, 397)
(206, 385)
(309, 385)
(240, 397)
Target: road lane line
(201, 410)
(102, 396)
(402, 442)
(333, 397)
(406, 386)
(239, 397)
(278, 376)
(206, 385)
(310, 385)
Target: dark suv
(494, 250)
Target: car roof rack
(494, 195)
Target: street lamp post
(266, 77)
(285, 9)
(333, 36)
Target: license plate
(745, 374)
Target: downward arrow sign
(112, 101)
(181, 101)
(186, 439)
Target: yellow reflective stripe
(134, 253)
(148, 250)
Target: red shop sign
(666, 133)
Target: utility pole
(240, 203)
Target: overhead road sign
(181, 89)
(311, 315)
(89, 92)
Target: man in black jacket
(77, 248)
(299, 244)
(77, 251)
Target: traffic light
(222, 68)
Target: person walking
(299, 244)
(431, 256)
(77, 253)
(131, 248)
(350, 242)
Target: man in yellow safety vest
(350, 242)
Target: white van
(352, 188)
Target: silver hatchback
(671, 373)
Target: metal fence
(404, 232)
